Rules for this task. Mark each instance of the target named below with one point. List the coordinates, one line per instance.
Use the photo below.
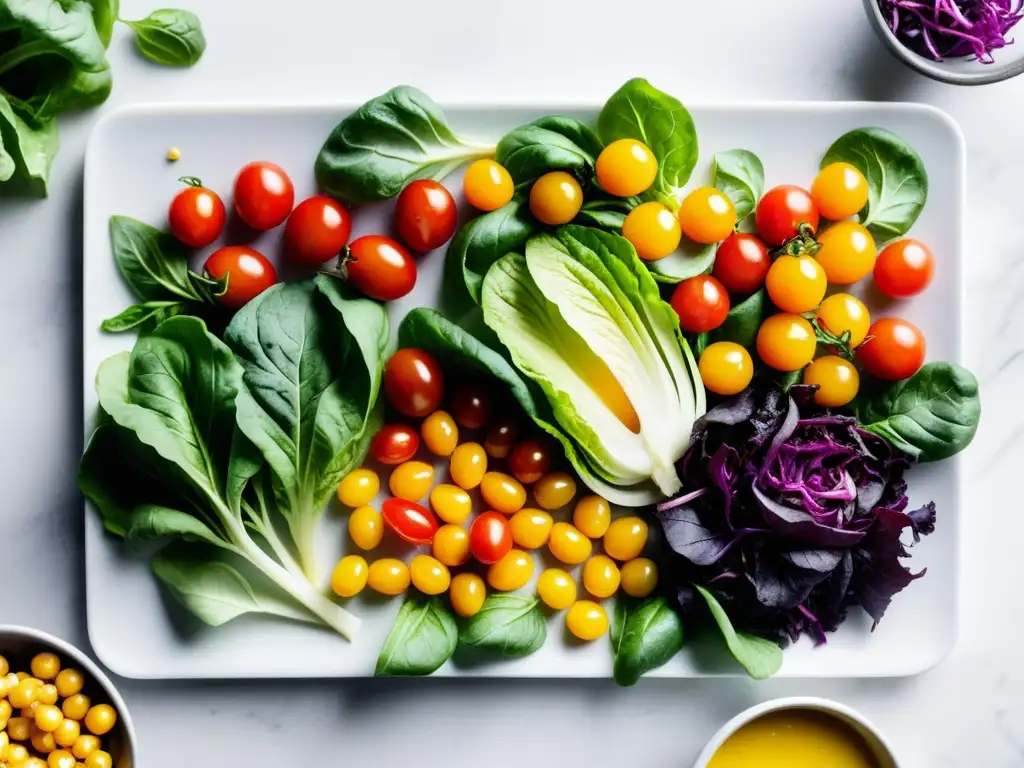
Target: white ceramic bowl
(19, 644)
(1009, 61)
(879, 747)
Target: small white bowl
(23, 643)
(880, 748)
(1009, 61)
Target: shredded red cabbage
(941, 29)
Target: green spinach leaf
(740, 175)
(422, 639)
(153, 263)
(549, 144)
(683, 264)
(171, 37)
(742, 322)
(897, 180)
(640, 111)
(604, 214)
(645, 635)
(151, 522)
(759, 657)
(930, 416)
(26, 152)
(147, 314)
(104, 14)
(509, 625)
(388, 142)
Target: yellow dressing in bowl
(794, 738)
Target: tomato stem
(801, 244)
(837, 345)
(190, 181)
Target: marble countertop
(969, 710)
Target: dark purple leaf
(687, 535)
(779, 584)
(820, 560)
(878, 572)
(923, 520)
(802, 526)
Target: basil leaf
(761, 658)
(548, 144)
(683, 264)
(422, 639)
(742, 322)
(388, 142)
(897, 180)
(640, 111)
(930, 416)
(740, 175)
(171, 37)
(153, 263)
(645, 635)
(148, 315)
(509, 625)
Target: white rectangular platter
(137, 632)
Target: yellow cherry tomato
(16, 755)
(786, 342)
(101, 719)
(511, 572)
(47, 694)
(76, 706)
(592, 516)
(531, 528)
(556, 588)
(626, 167)
(59, 758)
(468, 465)
(38, 762)
(847, 253)
(48, 718)
(555, 198)
(67, 733)
(411, 480)
(796, 283)
(358, 488)
(42, 741)
(653, 230)
(467, 594)
(440, 433)
(842, 312)
(6, 710)
(626, 538)
(568, 544)
(45, 666)
(99, 759)
(726, 368)
(586, 620)
(429, 575)
(366, 527)
(840, 190)
(5, 666)
(350, 576)
(451, 503)
(601, 576)
(85, 745)
(837, 381)
(502, 493)
(24, 694)
(388, 576)
(8, 683)
(554, 490)
(487, 185)
(451, 545)
(19, 728)
(639, 577)
(707, 215)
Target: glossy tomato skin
(904, 269)
(196, 215)
(413, 523)
(425, 215)
(490, 537)
(317, 230)
(742, 263)
(264, 195)
(471, 407)
(380, 267)
(530, 460)
(782, 210)
(895, 349)
(394, 444)
(249, 273)
(413, 383)
(701, 303)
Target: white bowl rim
(80, 657)
(792, 702)
(993, 73)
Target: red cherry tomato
(894, 350)
(742, 263)
(490, 537)
(471, 407)
(782, 210)
(701, 303)
(413, 383)
(530, 460)
(249, 273)
(317, 230)
(264, 195)
(196, 214)
(426, 215)
(394, 444)
(413, 523)
(904, 269)
(380, 267)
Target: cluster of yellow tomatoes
(56, 725)
(495, 547)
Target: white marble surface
(968, 711)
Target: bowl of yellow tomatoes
(57, 708)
